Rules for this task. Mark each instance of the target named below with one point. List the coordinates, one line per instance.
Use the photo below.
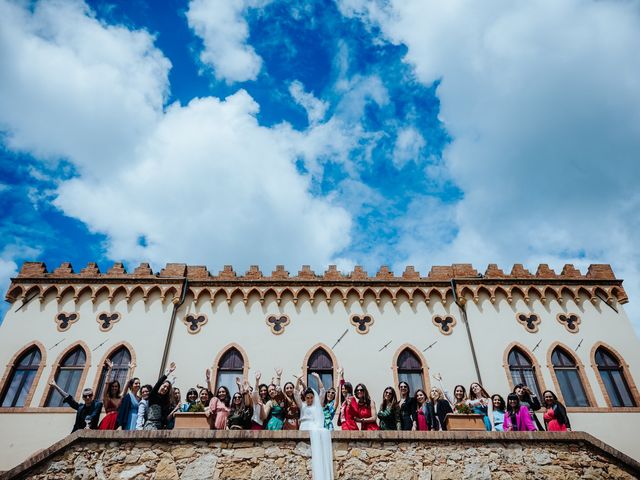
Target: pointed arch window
(612, 375)
(21, 378)
(522, 370)
(68, 376)
(569, 381)
(410, 370)
(320, 362)
(121, 359)
(230, 366)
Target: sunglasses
(88, 395)
(403, 386)
(359, 390)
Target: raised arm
(66, 398)
(207, 375)
(278, 377)
(321, 390)
(105, 391)
(299, 388)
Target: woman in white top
(312, 420)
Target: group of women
(282, 407)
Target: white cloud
(224, 32)
(70, 85)
(409, 143)
(201, 183)
(315, 108)
(543, 104)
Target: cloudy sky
(316, 132)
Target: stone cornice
(598, 284)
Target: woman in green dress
(389, 414)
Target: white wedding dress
(312, 420)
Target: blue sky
(296, 132)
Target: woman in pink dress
(218, 410)
(517, 417)
(421, 422)
(363, 408)
(555, 417)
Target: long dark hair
(326, 393)
(408, 389)
(240, 407)
(502, 402)
(367, 399)
(111, 384)
(393, 400)
(290, 401)
(260, 387)
(415, 396)
(516, 409)
(227, 397)
(348, 387)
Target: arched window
(320, 363)
(68, 376)
(613, 379)
(121, 359)
(569, 379)
(522, 370)
(410, 370)
(230, 366)
(21, 378)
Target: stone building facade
(567, 332)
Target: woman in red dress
(111, 399)
(346, 412)
(421, 422)
(555, 417)
(363, 408)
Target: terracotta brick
(410, 273)
(306, 273)
(33, 269)
(384, 273)
(600, 272)
(91, 270)
(545, 272)
(518, 271)
(117, 270)
(174, 270)
(253, 273)
(569, 271)
(359, 273)
(197, 272)
(142, 270)
(494, 272)
(64, 270)
(280, 273)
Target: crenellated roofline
(598, 284)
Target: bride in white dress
(312, 420)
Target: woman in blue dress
(128, 409)
(480, 403)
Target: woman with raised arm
(241, 410)
(363, 408)
(389, 413)
(517, 418)
(555, 417)
(312, 419)
(128, 410)
(274, 408)
(111, 400)
(259, 398)
(218, 410)
(529, 400)
(345, 413)
(480, 403)
(292, 411)
(160, 402)
(440, 408)
(407, 405)
(327, 401)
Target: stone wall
(201, 455)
